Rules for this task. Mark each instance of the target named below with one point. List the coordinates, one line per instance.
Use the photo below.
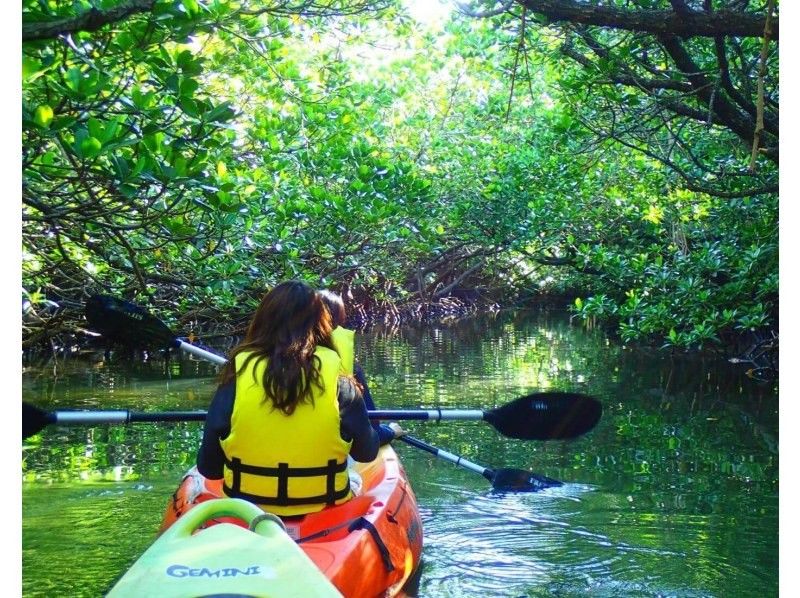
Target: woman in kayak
(283, 421)
(344, 339)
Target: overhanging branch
(90, 20)
(661, 22)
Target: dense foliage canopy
(186, 154)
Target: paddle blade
(34, 420)
(519, 480)
(127, 323)
(546, 416)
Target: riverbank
(61, 330)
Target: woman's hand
(398, 431)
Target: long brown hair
(335, 304)
(288, 325)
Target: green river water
(674, 493)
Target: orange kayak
(369, 546)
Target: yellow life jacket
(344, 340)
(287, 464)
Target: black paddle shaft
(503, 479)
(538, 416)
(514, 420)
(34, 420)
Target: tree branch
(739, 123)
(459, 279)
(762, 71)
(90, 20)
(550, 260)
(628, 79)
(690, 182)
(663, 22)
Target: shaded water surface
(675, 493)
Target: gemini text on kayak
(184, 571)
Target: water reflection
(570, 540)
(674, 493)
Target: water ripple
(529, 544)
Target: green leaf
(31, 69)
(184, 59)
(173, 82)
(220, 113)
(74, 78)
(153, 141)
(139, 166)
(188, 86)
(90, 147)
(189, 106)
(125, 41)
(121, 168)
(43, 116)
(191, 6)
(96, 128)
(142, 100)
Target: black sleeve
(210, 458)
(355, 425)
(385, 433)
(358, 374)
